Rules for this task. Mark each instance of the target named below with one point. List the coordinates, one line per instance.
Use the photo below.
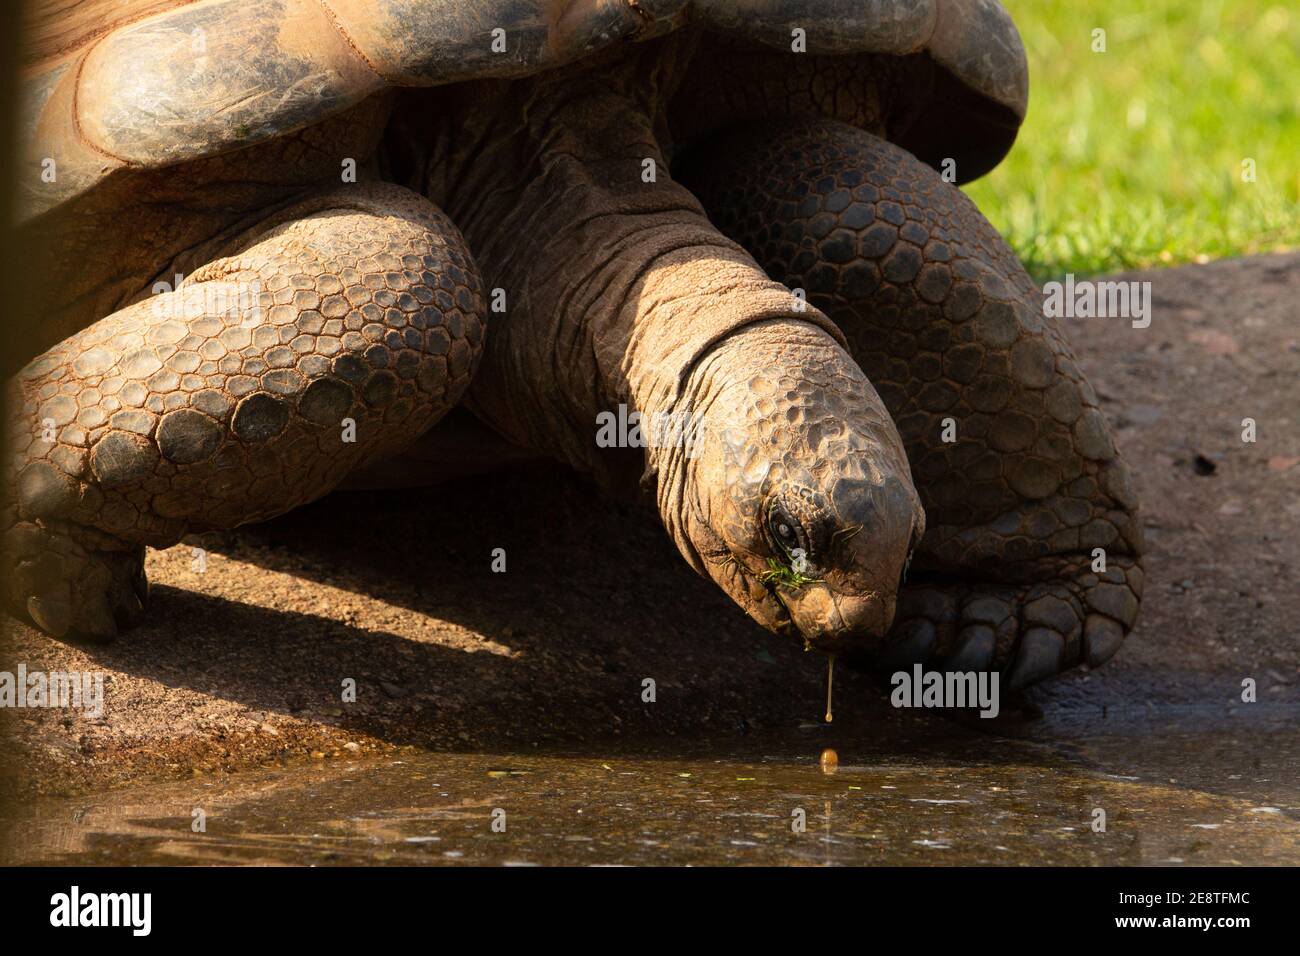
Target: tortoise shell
(146, 84)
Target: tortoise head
(798, 499)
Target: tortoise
(279, 241)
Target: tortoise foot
(1027, 631)
(72, 582)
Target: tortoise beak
(835, 622)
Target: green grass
(784, 574)
(1133, 157)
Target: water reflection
(952, 797)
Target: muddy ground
(241, 665)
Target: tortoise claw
(52, 614)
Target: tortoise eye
(784, 529)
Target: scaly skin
(223, 402)
(946, 324)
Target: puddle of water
(947, 796)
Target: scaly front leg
(224, 401)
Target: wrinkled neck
(612, 281)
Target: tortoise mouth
(831, 621)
